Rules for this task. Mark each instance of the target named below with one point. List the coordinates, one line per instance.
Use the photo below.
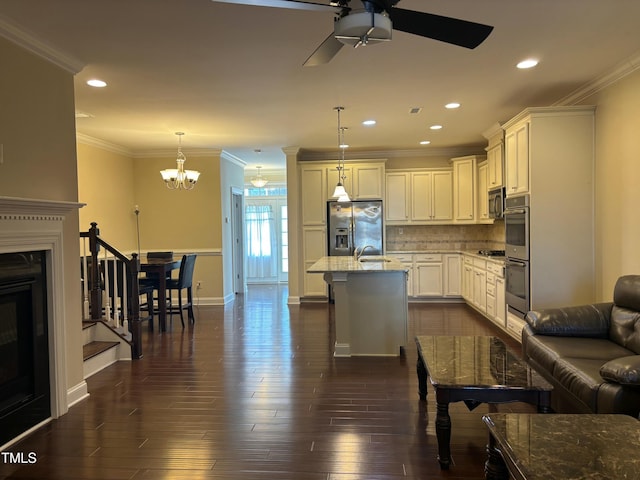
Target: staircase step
(96, 348)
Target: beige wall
(617, 182)
(37, 129)
(186, 221)
(105, 184)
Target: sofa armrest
(625, 370)
(580, 321)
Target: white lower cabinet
(496, 304)
(314, 240)
(483, 288)
(452, 275)
(407, 261)
(480, 284)
(429, 275)
(432, 275)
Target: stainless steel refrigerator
(355, 224)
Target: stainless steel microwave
(496, 202)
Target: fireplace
(32, 246)
(24, 350)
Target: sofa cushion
(626, 293)
(624, 370)
(576, 321)
(546, 350)
(625, 328)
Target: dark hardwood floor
(252, 391)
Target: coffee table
(474, 370)
(575, 446)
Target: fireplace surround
(30, 225)
(24, 347)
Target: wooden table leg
(422, 378)
(494, 467)
(162, 303)
(443, 433)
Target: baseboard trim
(77, 393)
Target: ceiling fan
(374, 22)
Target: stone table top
(571, 446)
(476, 361)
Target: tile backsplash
(445, 237)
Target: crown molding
(310, 155)
(194, 153)
(103, 145)
(233, 159)
(621, 70)
(29, 41)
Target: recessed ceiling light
(528, 63)
(344, 145)
(94, 82)
(425, 142)
(452, 105)
(435, 127)
(369, 123)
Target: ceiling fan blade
(325, 52)
(291, 4)
(446, 29)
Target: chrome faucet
(358, 253)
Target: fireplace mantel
(26, 207)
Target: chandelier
(259, 181)
(179, 178)
(340, 192)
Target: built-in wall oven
(516, 221)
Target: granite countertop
(473, 253)
(348, 264)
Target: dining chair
(183, 282)
(151, 279)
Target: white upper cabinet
(483, 190)
(313, 194)
(464, 188)
(367, 182)
(494, 169)
(517, 158)
(495, 156)
(419, 196)
(397, 204)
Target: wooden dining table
(160, 267)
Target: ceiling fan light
(362, 28)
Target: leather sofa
(590, 353)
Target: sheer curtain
(262, 255)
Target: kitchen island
(371, 304)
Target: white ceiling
(231, 76)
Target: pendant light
(259, 181)
(179, 178)
(340, 192)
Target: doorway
(237, 222)
(266, 229)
